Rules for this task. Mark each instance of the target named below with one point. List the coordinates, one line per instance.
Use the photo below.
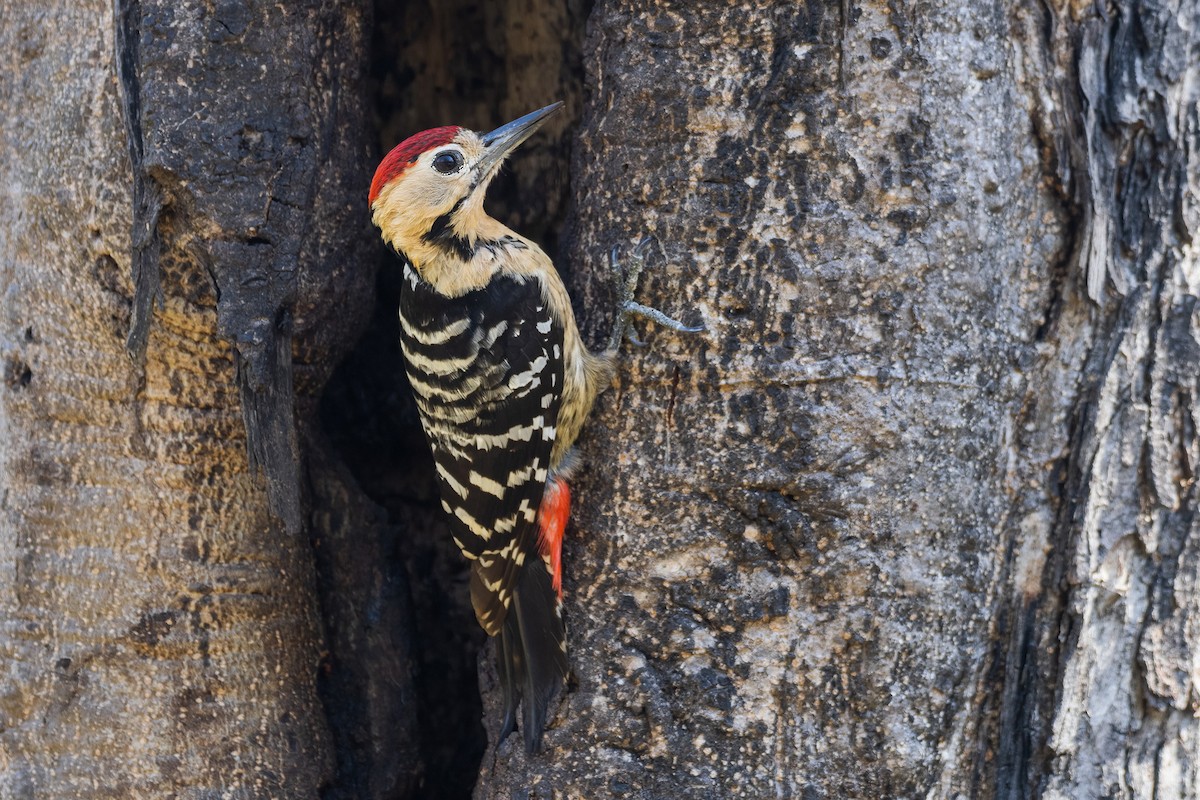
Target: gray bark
(916, 517)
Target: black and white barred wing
(486, 370)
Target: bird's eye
(448, 162)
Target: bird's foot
(627, 308)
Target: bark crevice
(148, 199)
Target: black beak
(504, 140)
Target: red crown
(406, 153)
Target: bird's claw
(628, 307)
(639, 250)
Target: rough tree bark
(167, 629)
(916, 516)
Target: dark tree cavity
(474, 65)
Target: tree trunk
(915, 516)
(164, 631)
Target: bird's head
(427, 194)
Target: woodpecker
(503, 383)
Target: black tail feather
(510, 665)
(532, 655)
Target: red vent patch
(552, 523)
